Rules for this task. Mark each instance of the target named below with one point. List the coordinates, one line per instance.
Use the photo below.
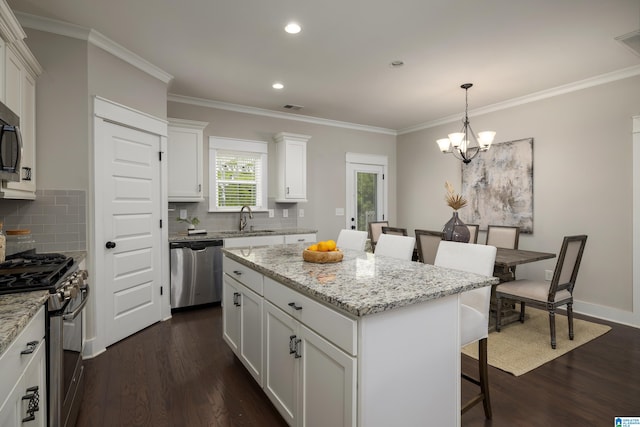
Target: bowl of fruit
(322, 253)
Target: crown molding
(276, 114)
(622, 74)
(95, 38)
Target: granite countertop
(16, 310)
(221, 234)
(362, 283)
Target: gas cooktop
(29, 271)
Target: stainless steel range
(68, 294)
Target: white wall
(582, 184)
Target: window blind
(238, 178)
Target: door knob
(110, 245)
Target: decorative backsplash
(57, 219)
(220, 221)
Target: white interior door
(366, 195)
(131, 229)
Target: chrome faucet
(243, 217)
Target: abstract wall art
(498, 185)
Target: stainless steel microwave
(10, 144)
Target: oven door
(66, 370)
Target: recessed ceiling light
(292, 28)
(397, 63)
(277, 86)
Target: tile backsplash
(57, 219)
(223, 221)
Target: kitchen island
(368, 341)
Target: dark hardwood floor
(180, 373)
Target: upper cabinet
(185, 160)
(18, 73)
(291, 151)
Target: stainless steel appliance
(68, 294)
(10, 146)
(196, 272)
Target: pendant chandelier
(465, 145)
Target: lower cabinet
(310, 381)
(23, 366)
(242, 324)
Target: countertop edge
(229, 234)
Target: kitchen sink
(241, 233)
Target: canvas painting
(498, 185)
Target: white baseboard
(628, 318)
(89, 352)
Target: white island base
(409, 366)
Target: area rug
(521, 347)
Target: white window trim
(232, 144)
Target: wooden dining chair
(428, 242)
(395, 246)
(398, 231)
(474, 308)
(473, 232)
(352, 239)
(375, 230)
(504, 236)
(547, 295)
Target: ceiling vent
(293, 107)
(631, 41)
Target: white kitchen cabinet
(310, 381)
(310, 359)
(269, 240)
(20, 97)
(242, 320)
(299, 238)
(185, 160)
(291, 152)
(23, 389)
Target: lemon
(323, 247)
(312, 248)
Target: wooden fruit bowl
(322, 257)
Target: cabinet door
(251, 333)
(30, 389)
(328, 383)
(296, 170)
(185, 162)
(20, 92)
(231, 313)
(281, 370)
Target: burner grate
(31, 272)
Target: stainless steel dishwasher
(196, 272)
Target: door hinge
(160, 290)
(160, 155)
(383, 177)
(160, 223)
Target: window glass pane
(367, 191)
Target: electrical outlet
(548, 275)
(301, 213)
(285, 213)
(271, 213)
(339, 211)
(183, 214)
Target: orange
(312, 248)
(323, 247)
(331, 245)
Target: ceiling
(338, 67)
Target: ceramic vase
(455, 230)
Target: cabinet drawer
(12, 362)
(330, 324)
(248, 277)
(299, 238)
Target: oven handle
(71, 316)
